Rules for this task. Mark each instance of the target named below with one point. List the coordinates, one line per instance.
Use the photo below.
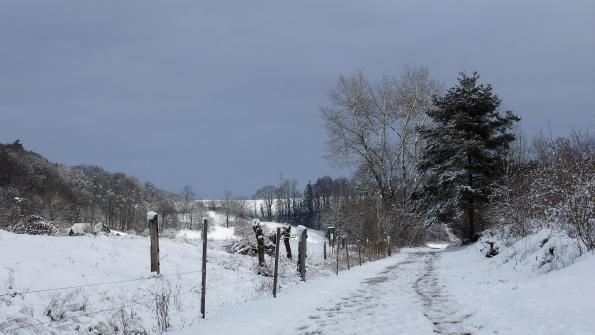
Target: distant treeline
(32, 185)
(284, 203)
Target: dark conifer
(465, 147)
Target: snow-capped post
(203, 290)
(154, 233)
(276, 273)
(302, 237)
(324, 249)
(346, 252)
(259, 244)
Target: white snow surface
(430, 290)
(43, 280)
(151, 215)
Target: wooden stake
(302, 253)
(338, 257)
(154, 231)
(204, 268)
(359, 253)
(347, 252)
(389, 247)
(278, 237)
(324, 249)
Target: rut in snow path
(447, 317)
(376, 306)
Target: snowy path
(398, 295)
(447, 316)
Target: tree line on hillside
(426, 158)
(32, 185)
(284, 203)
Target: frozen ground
(424, 291)
(102, 285)
(511, 294)
(360, 301)
(522, 290)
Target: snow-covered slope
(524, 289)
(63, 284)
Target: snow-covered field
(101, 285)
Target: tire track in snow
(446, 316)
(375, 307)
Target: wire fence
(15, 293)
(365, 253)
(62, 320)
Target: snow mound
(544, 251)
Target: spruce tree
(308, 205)
(464, 150)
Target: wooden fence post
(204, 268)
(154, 231)
(324, 249)
(389, 247)
(347, 252)
(303, 236)
(276, 273)
(286, 236)
(337, 250)
(359, 253)
(259, 244)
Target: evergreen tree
(308, 204)
(465, 148)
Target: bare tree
(227, 203)
(267, 194)
(188, 206)
(375, 126)
(240, 207)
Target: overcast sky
(225, 95)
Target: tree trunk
(471, 205)
(259, 245)
(286, 235)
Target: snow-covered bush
(248, 246)
(163, 296)
(542, 250)
(578, 213)
(556, 191)
(33, 225)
